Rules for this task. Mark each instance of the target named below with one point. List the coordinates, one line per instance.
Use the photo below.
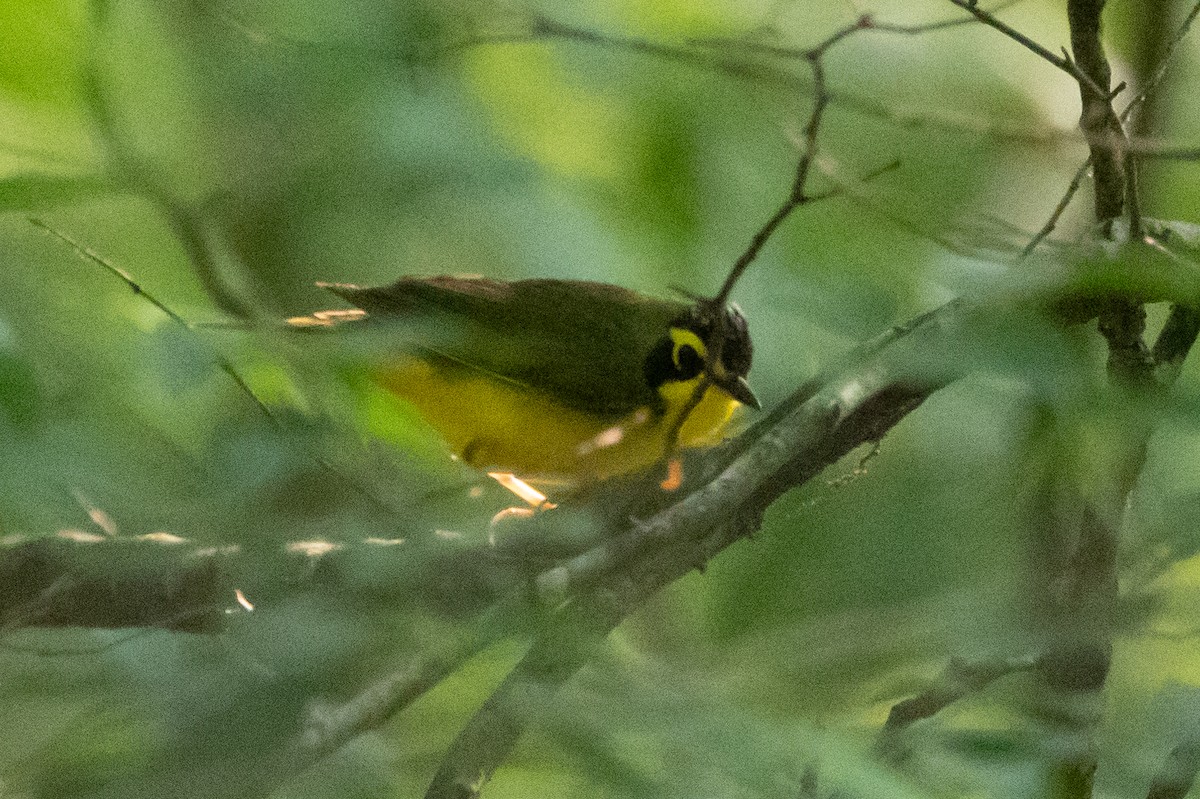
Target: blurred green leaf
(32, 192)
(357, 142)
(20, 394)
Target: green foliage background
(358, 141)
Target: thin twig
(544, 27)
(1060, 209)
(128, 166)
(1161, 71)
(866, 22)
(798, 194)
(957, 681)
(91, 255)
(1169, 153)
(814, 55)
(1063, 62)
(672, 439)
(223, 363)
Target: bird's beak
(739, 389)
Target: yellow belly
(493, 424)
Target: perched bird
(557, 379)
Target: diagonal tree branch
(81, 579)
(957, 681)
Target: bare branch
(78, 579)
(569, 640)
(1051, 223)
(543, 28)
(94, 257)
(1115, 186)
(798, 194)
(957, 681)
(329, 727)
(864, 23)
(821, 99)
(1064, 63)
(1174, 342)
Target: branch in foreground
(816, 426)
(570, 641)
(857, 404)
(879, 385)
(327, 728)
(79, 579)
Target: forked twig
(1126, 114)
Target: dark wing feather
(583, 342)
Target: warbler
(556, 379)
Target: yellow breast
(493, 424)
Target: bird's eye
(688, 361)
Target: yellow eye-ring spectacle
(682, 337)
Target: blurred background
(228, 154)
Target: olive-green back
(583, 343)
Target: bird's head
(704, 342)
